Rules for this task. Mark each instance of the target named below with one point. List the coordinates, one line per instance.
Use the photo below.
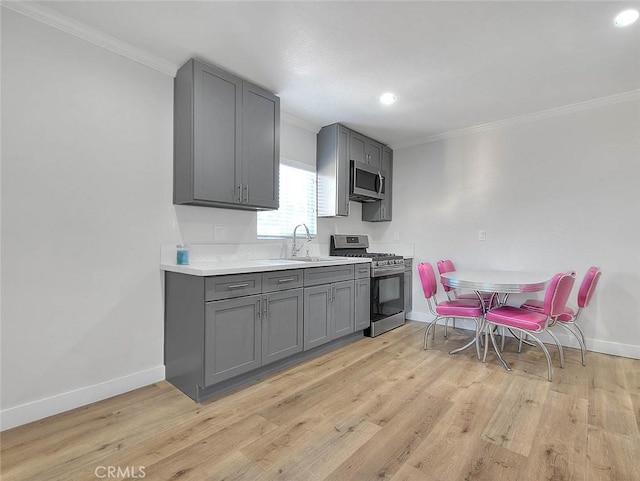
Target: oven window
(387, 296)
(389, 289)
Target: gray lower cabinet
(317, 316)
(408, 285)
(226, 140)
(329, 312)
(282, 324)
(222, 330)
(363, 304)
(245, 333)
(232, 338)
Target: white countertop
(242, 266)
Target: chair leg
(560, 350)
(446, 326)
(478, 335)
(584, 343)
(486, 341)
(547, 355)
(498, 353)
(431, 325)
(579, 337)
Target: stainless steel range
(387, 281)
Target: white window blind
(297, 202)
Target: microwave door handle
(381, 180)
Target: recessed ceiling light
(626, 17)
(387, 98)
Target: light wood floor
(380, 408)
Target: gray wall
(86, 205)
(554, 194)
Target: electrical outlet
(220, 233)
(482, 235)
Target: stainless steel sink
(307, 259)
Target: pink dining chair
(448, 266)
(457, 308)
(569, 318)
(529, 322)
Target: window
(297, 202)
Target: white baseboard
(567, 340)
(33, 411)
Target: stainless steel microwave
(367, 183)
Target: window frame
(313, 228)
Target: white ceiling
(452, 65)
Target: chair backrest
(557, 294)
(446, 266)
(428, 279)
(588, 286)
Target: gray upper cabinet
(380, 210)
(226, 140)
(365, 150)
(337, 146)
(332, 166)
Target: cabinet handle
(362, 271)
(237, 286)
(266, 307)
(288, 279)
(246, 194)
(258, 311)
(240, 193)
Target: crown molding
(292, 119)
(629, 96)
(77, 29)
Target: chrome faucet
(294, 249)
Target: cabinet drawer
(236, 285)
(281, 280)
(362, 270)
(325, 275)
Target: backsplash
(209, 253)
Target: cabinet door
(217, 148)
(332, 171)
(281, 324)
(233, 338)
(343, 308)
(260, 147)
(381, 210)
(357, 144)
(317, 316)
(363, 304)
(373, 153)
(408, 286)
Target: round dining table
(501, 283)
(496, 281)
